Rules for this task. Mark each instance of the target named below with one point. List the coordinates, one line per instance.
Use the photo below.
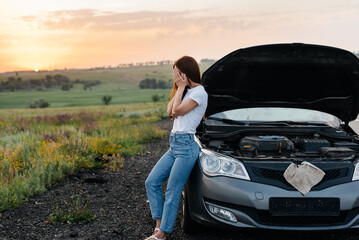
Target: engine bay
(279, 146)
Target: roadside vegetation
(38, 147)
(76, 210)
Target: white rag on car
(303, 176)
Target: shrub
(148, 83)
(61, 79)
(32, 104)
(152, 83)
(42, 103)
(155, 98)
(39, 103)
(66, 86)
(162, 84)
(107, 99)
(74, 210)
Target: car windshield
(279, 115)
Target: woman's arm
(178, 108)
(170, 106)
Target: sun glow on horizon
(49, 35)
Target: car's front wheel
(187, 223)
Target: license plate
(304, 206)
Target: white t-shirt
(190, 121)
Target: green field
(120, 83)
(12, 100)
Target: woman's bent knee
(151, 182)
(148, 182)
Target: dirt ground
(119, 201)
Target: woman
(188, 103)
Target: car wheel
(187, 223)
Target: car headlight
(215, 164)
(356, 171)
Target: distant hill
(121, 77)
(121, 83)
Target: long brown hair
(189, 66)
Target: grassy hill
(120, 83)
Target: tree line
(152, 83)
(50, 81)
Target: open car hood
(285, 75)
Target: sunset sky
(88, 33)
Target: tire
(188, 224)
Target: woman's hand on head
(180, 79)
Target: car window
(279, 114)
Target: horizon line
(120, 65)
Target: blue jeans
(176, 165)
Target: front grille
(277, 175)
(273, 175)
(269, 174)
(335, 173)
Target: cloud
(343, 6)
(162, 22)
(89, 19)
(87, 37)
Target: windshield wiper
(290, 123)
(277, 123)
(228, 121)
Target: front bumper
(249, 202)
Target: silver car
(270, 106)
